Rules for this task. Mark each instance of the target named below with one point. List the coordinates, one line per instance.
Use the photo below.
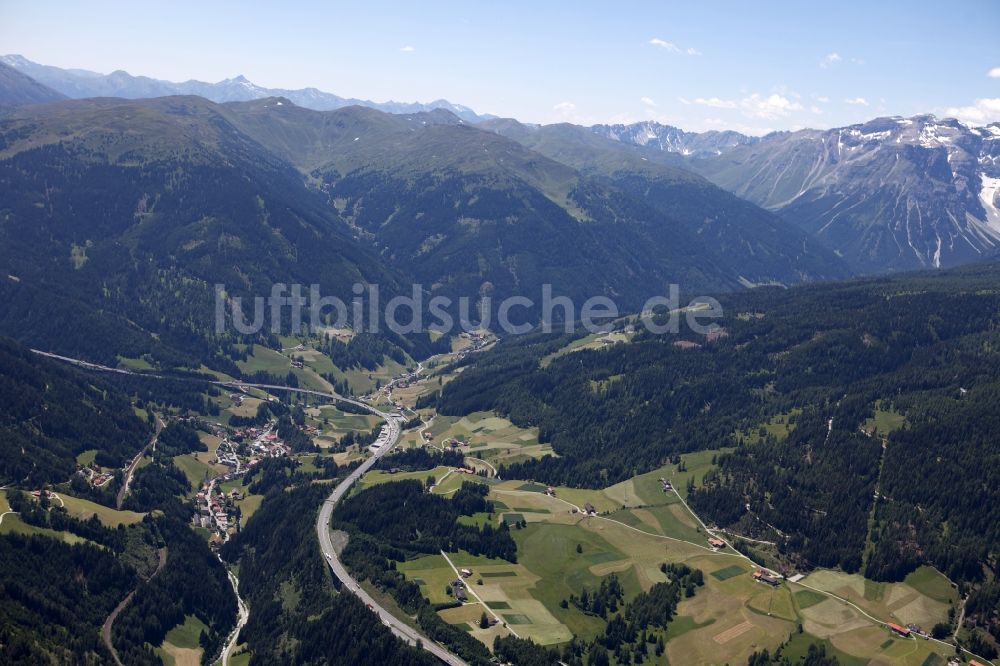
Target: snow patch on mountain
(988, 197)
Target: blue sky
(699, 65)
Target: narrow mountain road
(109, 622)
(743, 538)
(493, 469)
(134, 465)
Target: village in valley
(239, 450)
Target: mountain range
(139, 206)
(675, 140)
(81, 83)
(836, 429)
(889, 194)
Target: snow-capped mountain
(78, 83)
(890, 194)
(674, 140)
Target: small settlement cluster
(239, 450)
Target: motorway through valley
(349, 583)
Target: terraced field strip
(727, 572)
(732, 632)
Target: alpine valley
(190, 474)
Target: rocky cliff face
(889, 194)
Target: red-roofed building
(902, 631)
(762, 576)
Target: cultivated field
(486, 436)
(197, 470)
(383, 476)
(592, 341)
(642, 527)
(84, 509)
(334, 423)
(902, 602)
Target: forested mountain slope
(122, 215)
(460, 207)
(52, 413)
(733, 232)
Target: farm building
(466, 573)
(896, 629)
(766, 578)
(716, 542)
(589, 509)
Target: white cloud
(830, 59)
(648, 101)
(408, 49)
(994, 73)
(823, 99)
(656, 41)
(564, 107)
(716, 103)
(857, 101)
(754, 106)
(982, 112)
(774, 106)
(673, 48)
(815, 109)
